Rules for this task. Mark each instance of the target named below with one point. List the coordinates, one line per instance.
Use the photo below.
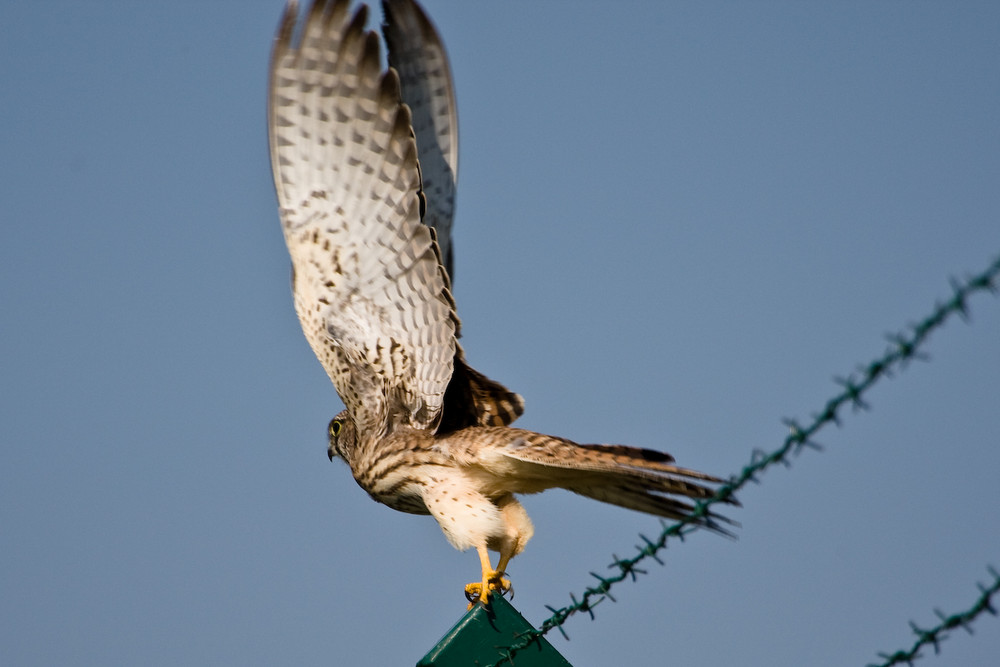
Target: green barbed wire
(903, 348)
(935, 635)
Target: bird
(365, 163)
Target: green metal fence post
(481, 635)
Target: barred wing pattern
(370, 291)
(363, 185)
(417, 54)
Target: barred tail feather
(632, 477)
(635, 496)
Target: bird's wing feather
(370, 290)
(417, 53)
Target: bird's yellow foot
(479, 591)
(492, 580)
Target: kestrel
(365, 162)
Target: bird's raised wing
(417, 54)
(370, 290)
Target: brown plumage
(365, 164)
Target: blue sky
(677, 222)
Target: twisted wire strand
(903, 348)
(935, 635)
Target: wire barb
(904, 347)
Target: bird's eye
(335, 427)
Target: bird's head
(342, 435)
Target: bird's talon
(480, 591)
(500, 584)
(473, 591)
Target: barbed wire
(935, 635)
(903, 347)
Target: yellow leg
(505, 559)
(492, 580)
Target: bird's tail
(647, 481)
(632, 477)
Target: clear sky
(677, 223)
